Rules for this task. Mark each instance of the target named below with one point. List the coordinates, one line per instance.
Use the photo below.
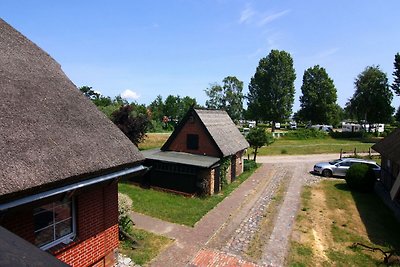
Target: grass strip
(261, 237)
(312, 146)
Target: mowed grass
(332, 218)
(282, 145)
(176, 208)
(154, 140)
(312, 146)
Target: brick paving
(221, 237)
(210, 258)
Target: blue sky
(180, 47)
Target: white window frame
(67, 238)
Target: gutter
(21, 201)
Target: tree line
(270, 98)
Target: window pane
(62, 212)
(43, 219)
(63, 228)
(47, 207)
(44, 236)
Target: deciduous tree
(396, 75)
(371, 101)
(318, 100)
(228, 96)
(258, 137)
(132, 124)
(271, 89)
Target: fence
(371, 153)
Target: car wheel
(326, 173)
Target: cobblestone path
(239, 242)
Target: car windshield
(335, 161)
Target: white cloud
(129, 94)
(246, 15)
(273, 17)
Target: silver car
(339, 167)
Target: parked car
(339, 167)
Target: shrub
(284, 151)
(124, 207)
(249, 165)
(360, 177)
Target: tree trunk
(273, 127)
(255, 154)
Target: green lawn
(148, 246)
(176, 208)
(313, 146)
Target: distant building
(190, 160)
(61, 159)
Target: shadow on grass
(380, 223)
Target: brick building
(61, 161)
(389, 148)
(204, 143)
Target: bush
(124, 207)
(302, 134)
(249, 165)
(360, 177)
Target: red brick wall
(97, 227)
(206, 144)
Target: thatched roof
(220, 127)
(389, 147)
(51, 133)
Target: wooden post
(369, 152)
(355, 152)
(341, 153)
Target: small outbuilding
(389, 148)
(61, 159)
(205, 150)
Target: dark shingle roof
(181, 158)
(390, 146)
(17, 252)
(50, 133)
(222, 129)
